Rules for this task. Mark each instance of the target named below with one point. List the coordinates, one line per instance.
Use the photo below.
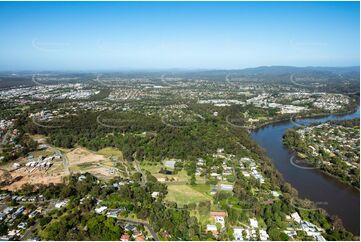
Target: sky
(184, 35)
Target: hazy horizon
(171, 69)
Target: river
(335, 197)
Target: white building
(253, 222)
(226, 187)
(220, 220)
(296, 217)
(101, 209)
(237, 234)
(61, 204)
(263, 235)
(155, 194)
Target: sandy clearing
(35, 177)
(81, 155)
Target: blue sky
(146, 35)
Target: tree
(193, 179)
(219, 226)
(276, 234)
(336, 222)
(3, 228)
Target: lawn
(153, 169)
(203, 219)
(42, 152)
(181, 176)
(202, 188)
(185, 194)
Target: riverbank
(325, 191)
(324, 171)
(332, 165)
(303, 116)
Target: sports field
(185, 194)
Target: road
(29, 231)
(45, 125)
(142, 222)
(229, 82)
(37, 202)
(235, 125)
(36, 82)
(292, 80)
(65, 162)
(139, 169)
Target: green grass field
(185, 194)
(181, 176)
(42, 152)
(202, 188)
(154, 169)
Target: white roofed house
(250, 233)
(81, 178)
(61, 204)
(33, 214)
(309, 228)
(220, 220)
(263, 235)
(227, 172)
(257, 176)
(114, 212)
(170, 163)
(101, 209)
(218, 176)
(155, 194)
(296, 217)
(198, 171)
(220, 150)
(200, 162)
(8, 210)
(219, 217)
(22, 225)
(212, 228)
(226, 187)
(320, 238)
(275, 193)
(291, 232)
(246, 173)
(246, 159)
(18, 212)
(253, 223)
(238, 234)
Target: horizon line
(173, 68)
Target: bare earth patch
(23, 176)
(80, 160)
(80, 155)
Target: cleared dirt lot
(37, 177)
(97, 163)
(79, 160)
(81, 155)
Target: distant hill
(293, 69)
(23, 78)
(280, 70)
